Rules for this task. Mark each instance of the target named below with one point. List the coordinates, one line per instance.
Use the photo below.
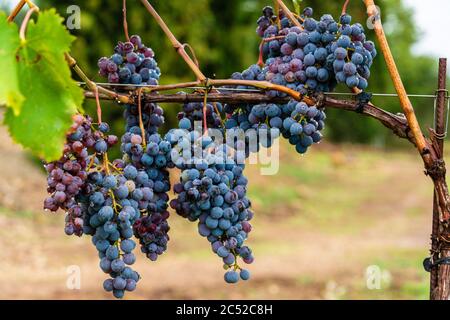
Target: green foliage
(297, 6)
(9, 90)
(51, 97)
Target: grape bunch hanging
(310, 57)
(124, 203)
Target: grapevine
(126, 201)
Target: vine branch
(289, 13)
(428, 152)
(125, 23)
(19, 7)
(264, 85)
(175, 43)
(396, 123)
(92, 85)
(407, 107)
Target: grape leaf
(51, 96)
(10, 94)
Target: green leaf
(51, 96)
(10, 94)
(297, 6)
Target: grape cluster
(110, 211)
(150, 161)
(131, 63)
(122, 201)
(317, 55)
(301, 124)
(297, 122)
(312, 58)
(110, 208)
(145, 155)
(101, 205)
(67, 176)
(212, 190)
(152, 232)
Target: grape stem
(261, 55)
(289, 14)
(141, 123)
(298, 17)
(125, 23)
(218, 113)
(19, 7)
(187, 45)
(23, 26)
(273, 38)
(99, 107)
(91, 163)
(92, 85)
(344, 7)
(115, 204)
(175, 43)
(264, 85)
(168, 87)
(106, 163)
(205, 100)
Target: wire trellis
(347, 94)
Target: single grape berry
(244, 274)
(231, 277)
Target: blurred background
(350, 219)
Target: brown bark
(175, 43)
(407, 107)
(440, 275)
(442, 291)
